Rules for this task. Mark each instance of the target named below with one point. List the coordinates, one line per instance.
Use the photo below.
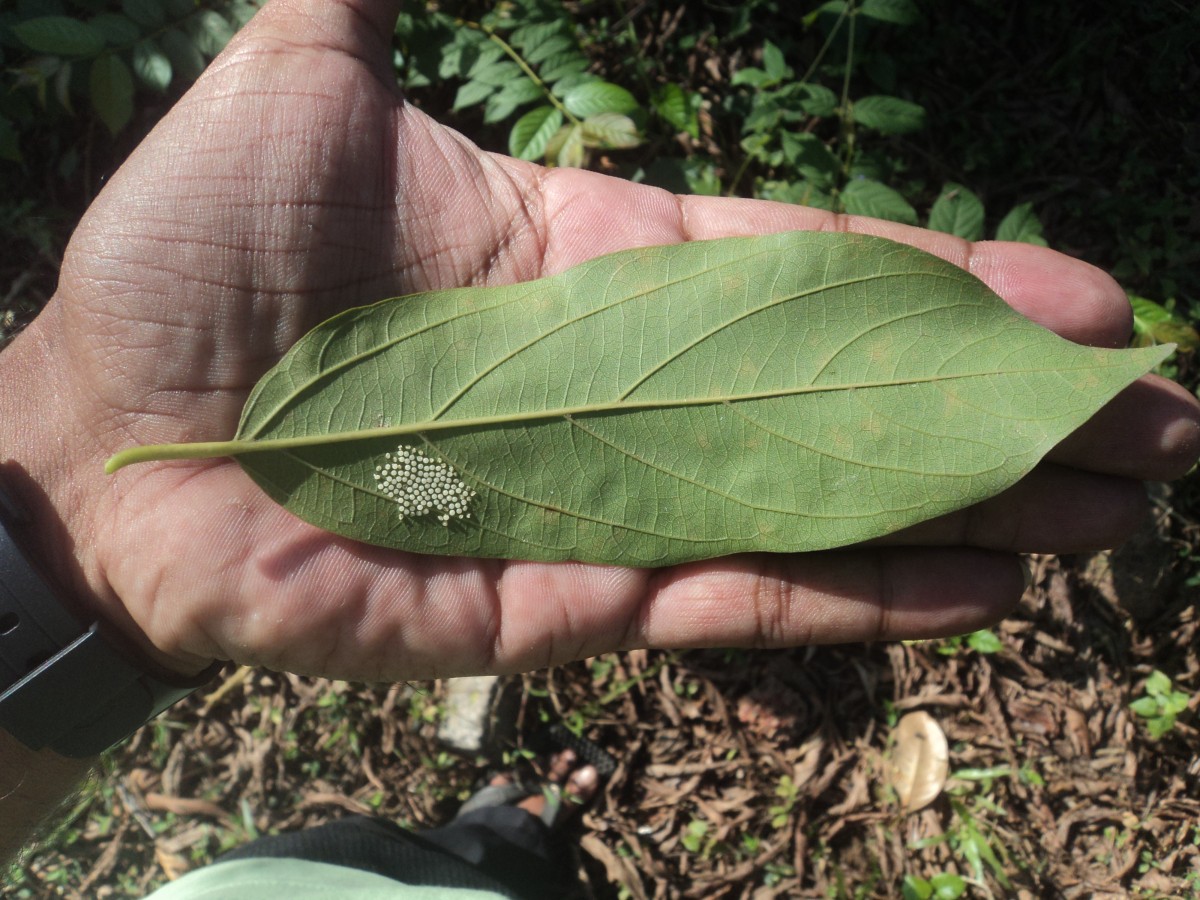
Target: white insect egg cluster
(421, 485)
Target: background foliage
(1073, 125)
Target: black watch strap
(64, 685)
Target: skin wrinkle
(522, 224)
(885, 594)
(524, 206)
(760, 636)
(780, 592)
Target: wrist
(73, 677)
(52, 464)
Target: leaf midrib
(208, 450)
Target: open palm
(292, 182)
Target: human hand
(292, 182)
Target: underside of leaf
(792, 392)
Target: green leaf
(550, 47)
(786, 393)
(677, 109)
(889, 115)
(566, 148)
(809, 156)
(499, 73)
(145, 12)
(489, 55)
(959, 212)
(598, 97)
(774, 64)
(1175, 703)
(569, 82)
(817, 100)
(472, 93)
(894, 12)
(504, 103)
(1158, 684)
(118, 30)
(948, 886)
(1155, 324)
(187, 62)
(111, 88)
(535, 35)
(984, 641)
(211, 32)
(532, 132)
(863, 197)
(60, 36)
(914, 888)
(611, 130)
(563, 65)
(751, 76)
(1160, 727)
(1145, 707)
(1021, 224)
(151, 65)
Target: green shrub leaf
(60, 36)
(532, 132)
(145, 12)
(948, 886)
(984, 641)
(1155, 324)
(110, 86)
(211, 32)
(504, 102)
(499, 73)
(889, 115)
(187, 62)
(864, 197)
(1145, 707)
(789, 392)
(677, 109)
(774, 64)
(118, 30)
(959, 212)
(566, 148)
(1021, 224)
(472, 93)
(550, 47)
(151, 65)
(809, 156)
(564, 65)
(894, 12)
(596, 97)
(611, 130)
(537, 34)
(818, 100)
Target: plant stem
(525, 67)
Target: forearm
(33, 784)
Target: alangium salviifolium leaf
(791, 392)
